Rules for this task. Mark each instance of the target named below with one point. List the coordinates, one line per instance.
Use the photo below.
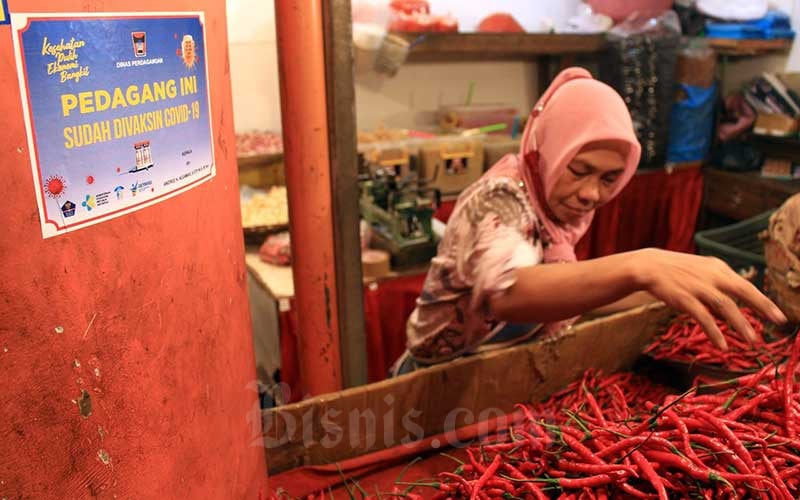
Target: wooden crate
(428, 402)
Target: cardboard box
(697, 68)
(468, 390)
(775, 125)
(777, 168)
(451, 165)
(498, 147)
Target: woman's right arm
(698, 286)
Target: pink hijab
(574, 111)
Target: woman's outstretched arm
(699, 286)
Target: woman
(506, 267)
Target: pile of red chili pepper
(599, 440)
(684, 340)
(621, 436)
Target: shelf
(731, 47)
(259, 160)
(278, 281)
(443, 47)
(777, 147)
(741, 195)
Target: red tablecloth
(445, 210)
(656, 209)
(387, 306)
(382, 468)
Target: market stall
(659, 208)
(401, 249)
(405, 201)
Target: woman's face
(586, 184)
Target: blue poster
(4, 19)
(117, 112)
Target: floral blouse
(493, 231)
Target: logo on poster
(89, 202)
(139, 43)
(4, 17)
(68, 209)
(118, 191)
(55, 186)
(188, 52)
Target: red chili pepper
(734, 441)
(584, 482)
(756, 402)
(463, 482)
(622, 445)
(635, 492)
(717, 447)
(534, 443)
(594, 406)
(474, 462)
(532, 488)
(596, 468)
(650, 474)
(619, 399)
(790, 472)
(503, 484)
(489, 472)
(788, 388)
(697, 472)
(583, 451)
(683, 432)
(789, 457)
(776, 477)
(501, 447)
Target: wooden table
(741, 195)
(271, 290)
(276, 280)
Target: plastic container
(619, 10)
(476, 116)
(737, 244)
(732, 31)
(773, 26)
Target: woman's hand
(700, 286)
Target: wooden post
(301, 64)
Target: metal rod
(301, 64)
(338, 30)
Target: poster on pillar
(117, 112)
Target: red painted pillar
(125, 347)
(301, 59)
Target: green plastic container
(737, 244)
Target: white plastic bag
(587, 21)
(375, 12)
(734, 10)
(637, 25)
